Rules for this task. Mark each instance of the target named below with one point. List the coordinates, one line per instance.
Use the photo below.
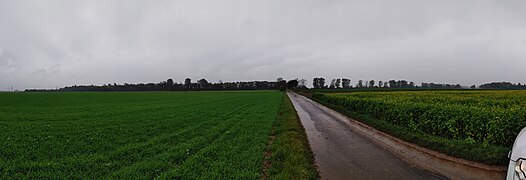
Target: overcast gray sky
(44, 44)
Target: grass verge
(478, 152)
(288, 155)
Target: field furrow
(135, 135)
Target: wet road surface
(343, 153)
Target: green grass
(184, 135)
(288, 154)
(474, 125)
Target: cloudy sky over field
(44, 44)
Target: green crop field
(136, 135)
(491, 119)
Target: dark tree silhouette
(292, 84)
(393, 84)
(202, 83)
(403, 84)
(315, 83)
(440, 86)
(187, 83)
(318, 83)
(346, 83)
(321, 83)
(502, 85)
(360, 84)
(282, 84)
(169, 84)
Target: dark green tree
(316, 83)
(187, 83)
(392, 84)
(169, 84)
(346, 83)
(321, 83)
(202, 83)
(282, 84)
(292, 84)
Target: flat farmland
(136, 135)
(476, 125)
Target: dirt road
(343, 153)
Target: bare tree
(302, 83)
(333, 84)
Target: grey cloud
(60, 42)
(8, 61)
(46, 72)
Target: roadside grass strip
(289, 155)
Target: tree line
(279, 84)
(503, 85)
(344, 83)
(186, 85)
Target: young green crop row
(185, 135)
(491, 117)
